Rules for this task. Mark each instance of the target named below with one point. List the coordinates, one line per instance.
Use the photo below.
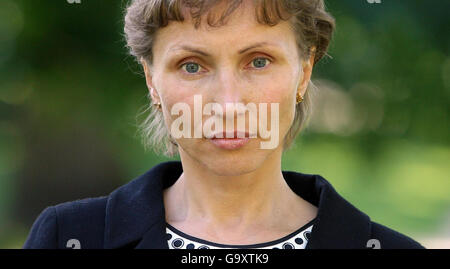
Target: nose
(227, 86)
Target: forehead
(241, 28)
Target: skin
(231, 196)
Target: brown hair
(311, 23)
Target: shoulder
(387, 238)
(340, 224)
(79, 220)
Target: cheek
(282, 93)
(172, 92)
(279, 86)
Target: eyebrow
(198, 51)
(257, 45)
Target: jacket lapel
(135, 215)
(155, 237)
(135, 211)
(339, 225)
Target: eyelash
(257, 69)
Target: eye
(191, 67)
(260, 62)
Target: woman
(228, 191)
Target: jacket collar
(135, 215)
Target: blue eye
(192, 67)
(259, 62)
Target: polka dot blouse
(296, 240)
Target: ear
(149, 80)
(307, 67)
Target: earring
(299, 98)
(157, 105)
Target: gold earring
(157, 105)
(299, 98)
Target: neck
(231, 202)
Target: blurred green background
(70, 98)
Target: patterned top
(296, 240)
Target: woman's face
(240, 62)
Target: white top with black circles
(296, 240)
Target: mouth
(232, 135)
(231, 140)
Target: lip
(234, 142)
(231, 135)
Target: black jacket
(133, 216)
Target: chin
(231, 168)
(235, 164)
(227, 162)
